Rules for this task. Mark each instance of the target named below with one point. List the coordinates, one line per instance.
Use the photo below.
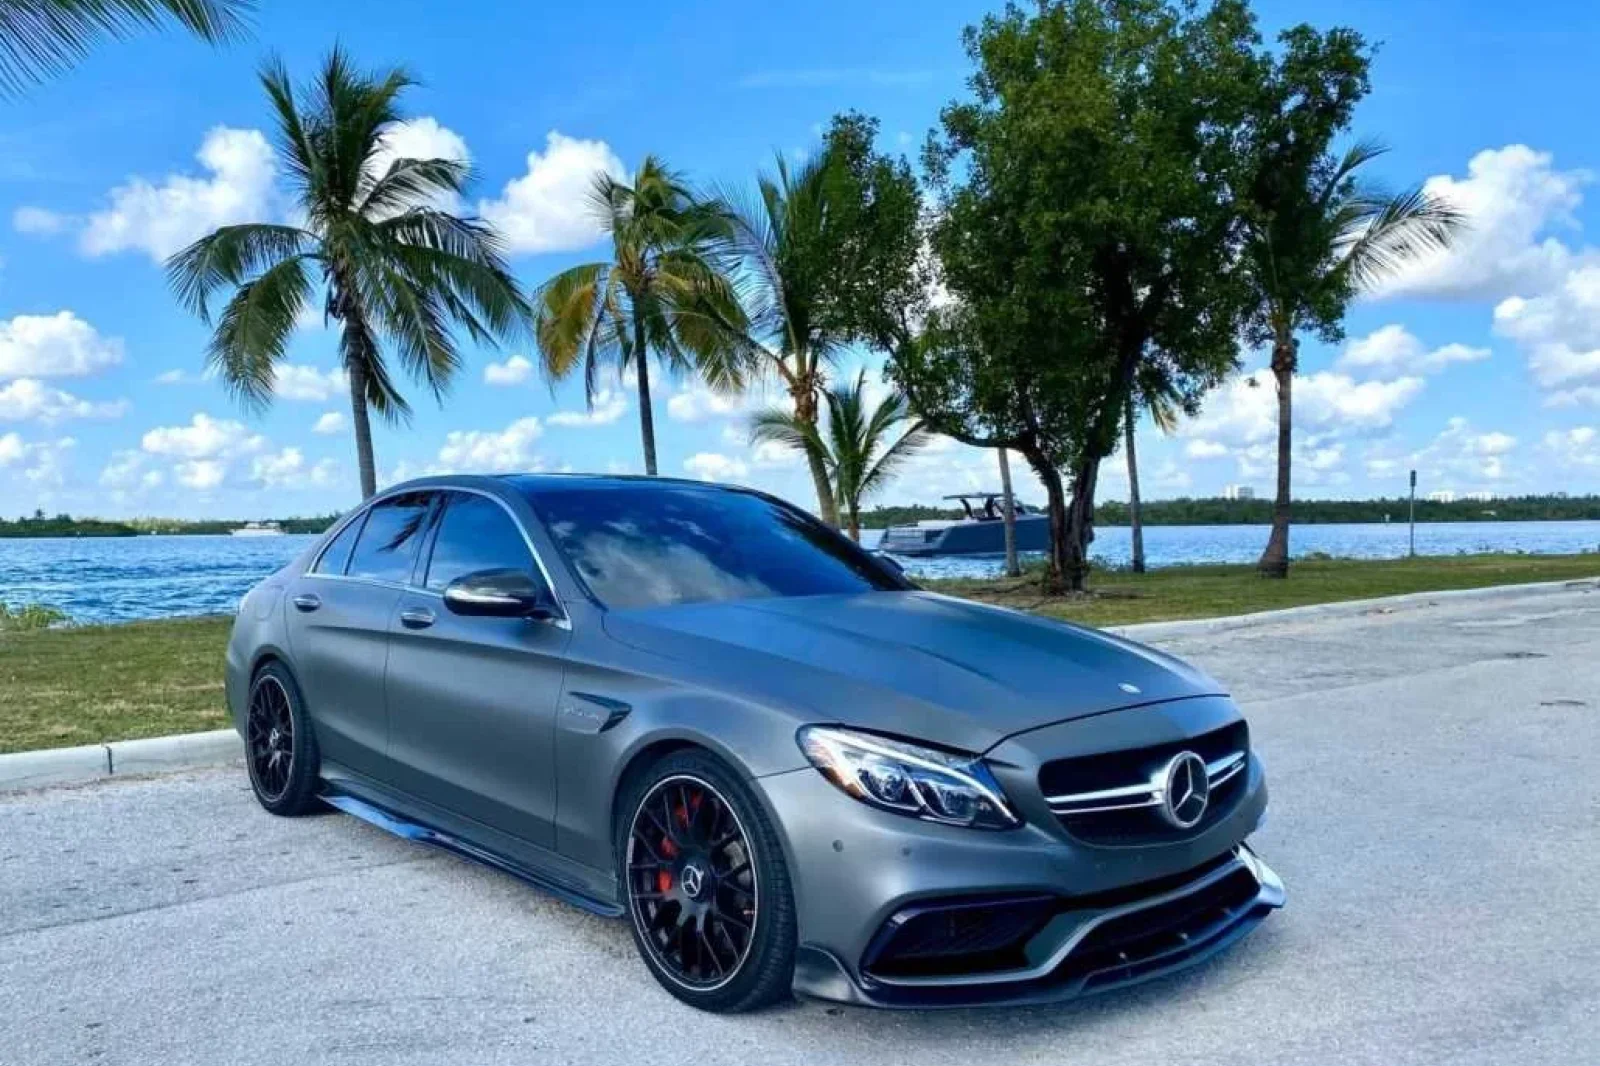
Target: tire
(275, 702)
(694, 942)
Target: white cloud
(58, 345)
(1245, 410)
(288, 469)
(714, 466)
(12, 448)
(200, 474)
(1512, 197)
(160, 219)
(1560, 333)
(1205, 449)
(203, 438)
(329, 422)
(546, 209)
(514, 371)
(608, 407)
(27, 399)
(697, 402)
(181, 377)
(37, 220)
(1393, 349)
(1461, 456)
(292, 381)
(482, 451)
(130, 469)
(40, 462)
(1574, 447)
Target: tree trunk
(647, 417)
(855, 522)
(363, 425)
(1055, 503)
(1274, 561)
(1009, 513)
(1080, 524)
(804, 394)
(1135, 517)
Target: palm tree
(392, 268)
(1313, 241)
(854, 447)
(43, 37)
(780, 235)
(663, 291)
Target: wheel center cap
(273, 738)
(693, 880)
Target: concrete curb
(1347, 609)
(121, 758)
(186, 751)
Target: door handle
(416, 618)
(307, 602)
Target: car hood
(915, 664)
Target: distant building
(1442, 496)
(1479, 497)
(1238, 492)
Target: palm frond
(1397, 231)
(39, 38)
(254, 327)
(228, 257)
(412, 183)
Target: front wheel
(707, 889)
(280, 747)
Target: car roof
(526, 482)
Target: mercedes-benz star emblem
(1186, 792)
(693, 881)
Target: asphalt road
(1436, 816)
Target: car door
(338, 619)
(472, 700)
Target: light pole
(1413, 516)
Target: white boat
(257, 529)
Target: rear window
(644, 545)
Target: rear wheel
(280, 747)
(707, 890)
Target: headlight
(908, 779)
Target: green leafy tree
(817, 242)
(39, 38)
(1086, 226)
(393, 270)
(857, 446)
(1318, 232)
(665, 291)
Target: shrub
(29, 616)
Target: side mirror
(891, 562)
(499, 594)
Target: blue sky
(1481, 369)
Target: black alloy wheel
(280, 748)
(706, 888)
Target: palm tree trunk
(1135, 513)
(1008, 510)
(855, 521)
(1274, 561)
(804, 394)
(363, 426)
(647, 417)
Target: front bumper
(895, 912)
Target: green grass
(1120, 598)
(88, 684)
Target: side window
(476, 533)
(337, 554)
(387, 548)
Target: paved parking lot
(1436, 816)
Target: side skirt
(407, 829)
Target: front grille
(1131, 814)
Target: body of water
(117, 579)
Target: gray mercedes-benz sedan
(701, 710)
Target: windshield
(646, 545)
